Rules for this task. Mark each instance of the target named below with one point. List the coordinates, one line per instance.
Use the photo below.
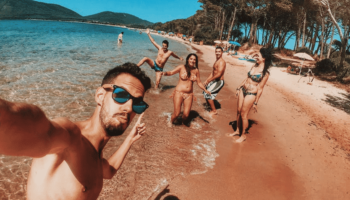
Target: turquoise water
(59, 65)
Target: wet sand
(287, 155)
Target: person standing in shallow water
(68, 162)
(183, 93)
(120, 37)
(215, 81)
(249, 92)
(163, 55)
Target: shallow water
(59, 65)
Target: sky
(150, 10)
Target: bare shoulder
(69, 126)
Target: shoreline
(289, 153)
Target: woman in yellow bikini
(250, 90)
(183, 93)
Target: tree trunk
(270, 38)
(252, 35)
(223, 24)
(303, 42)
(330, 44)
(232, 23)
(314, 38)
(322, 39)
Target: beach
(297, 146)
(295, 149)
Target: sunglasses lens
(139, 107)
(120, 95)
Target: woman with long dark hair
(249, 92)
(183, 93)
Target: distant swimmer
(120, 37)
(215, 81)
(183, 93)
(163, 56)
(68, 162)
(250, 90)
(140, 32)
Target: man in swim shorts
(215, 81)
(163, 55)
(68, 162)
(120, 37)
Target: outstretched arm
(111, 166)
(220, 72)
(152, 40)
(26, 131)
(176, 56)
(174, 71)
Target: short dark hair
(122, 32)
(219, 48)
(128, 68)
(166, 42)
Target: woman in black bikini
(183, 93)
(250, 90)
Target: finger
(141, 129)
(142, 132)
(139, 120)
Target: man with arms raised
(215, 81)
(163, 56)
(68, 162)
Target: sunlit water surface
(58, 66)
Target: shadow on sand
(250, 124)
(165, 195)
(338, 102)
(207, 106)
(192, 116)
(167, 87)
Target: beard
(110, 128)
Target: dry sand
(294, 149)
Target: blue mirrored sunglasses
(120, 95)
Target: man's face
(218, 53)
(165, 46)
(115, 117)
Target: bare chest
(68, 177)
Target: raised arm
(174, 71)
(111, 166)
(176, 56)
(200, 84)
(260, 90)
(220, 72)
(152, 40)
(26, 131)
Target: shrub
(325, 66)
(304, 50)
(335, 54)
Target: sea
(59, 65)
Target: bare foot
(233, 134)
(169, 124)
(213, 113)
(241, 139)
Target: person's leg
(212, 106)
(239, 109)
(149, 61)
(247, 105)
(177, 99)
(187, 108)
(158, 77)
